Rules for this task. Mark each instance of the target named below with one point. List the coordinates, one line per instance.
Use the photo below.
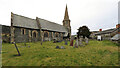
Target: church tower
(66, 22)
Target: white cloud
(93, 13)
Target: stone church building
(24, 29)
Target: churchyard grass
(96, 53)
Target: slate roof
(47, 25)
(106, 31)
(26, 22)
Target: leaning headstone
(62, 47)
(57, 47)
(17, 48)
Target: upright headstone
(62, 47)
(41, 43)
(71, 43)
(66, 42)
(76, 44)
(86, 40)
(80, 42)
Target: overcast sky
(95, 14)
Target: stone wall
(52, 35)
(27, 37)
(5, 29)
(21, 34)
(17, 35)
(5, 33)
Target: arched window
(45, 34)
(57, 35)
(34, 35)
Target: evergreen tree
(83, 31)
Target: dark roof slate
(47, 25)
(106, 31)
(26, 22)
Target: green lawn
(96, 53)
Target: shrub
(5, 38)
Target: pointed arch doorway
(34, 35)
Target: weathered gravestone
(76, 44)
(28, 46)
(66, 43)
(86, 40)
(71, 43)
(54, 41)
(62, 47)
(57, 47)
(80, 42)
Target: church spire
(66, 22)
(66, 17)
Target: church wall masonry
(5, 33)
(26, 35)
